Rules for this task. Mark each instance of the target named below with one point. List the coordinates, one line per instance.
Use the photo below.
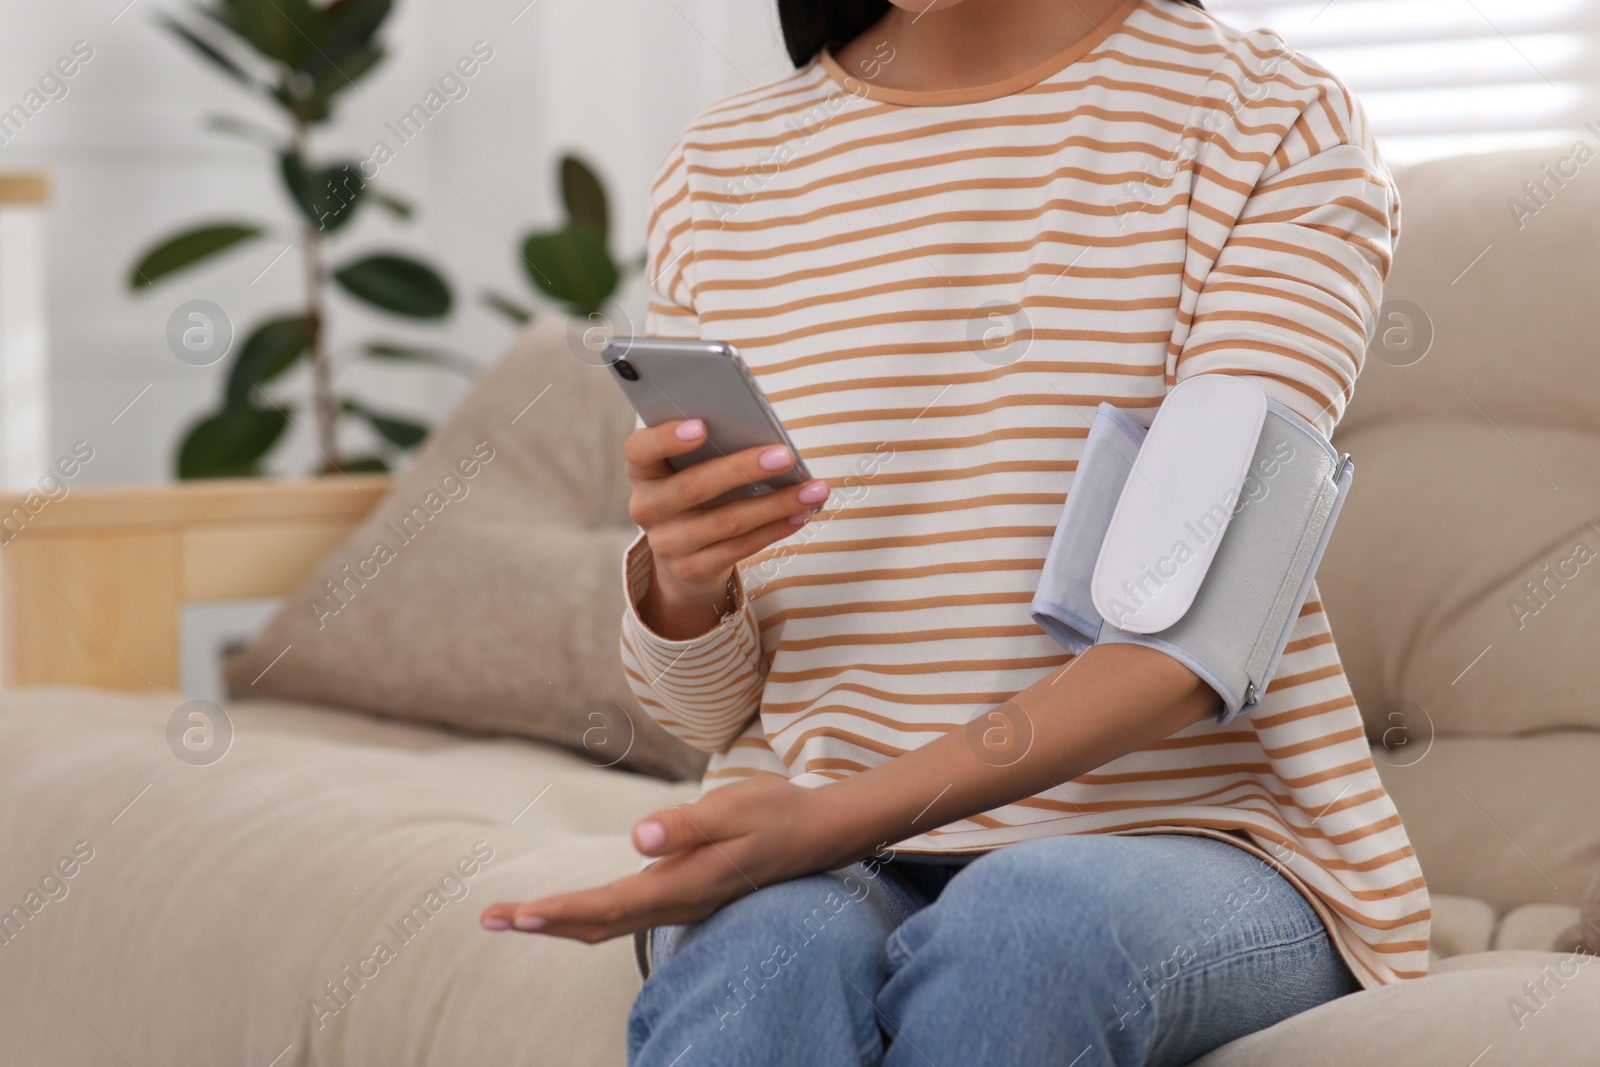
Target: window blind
(1446, 77)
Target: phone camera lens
(626, 369)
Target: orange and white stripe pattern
(936, 289)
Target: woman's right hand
(696, 548)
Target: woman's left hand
(730, 842)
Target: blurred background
(129, 158)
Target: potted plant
(300, 58)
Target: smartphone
(676, 378)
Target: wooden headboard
(91, 583)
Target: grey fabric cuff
(1062, 606)
(1234, 633)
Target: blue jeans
(1074, 951)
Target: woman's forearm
(1111, 700)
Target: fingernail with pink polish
(774, 459)
(496, 924)
(651, 835)
(814, 492)
(690, 430)
(800, 519)
(530, 922)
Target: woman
(927, 834)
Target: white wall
(614, 79)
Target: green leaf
(396, 283)
(401, 432)
(583, 195)
(188, 248)
(364, 465)
(334, 80)
(327, 197)
(349, 26)
(210, 52)
(283, 30)
(413, 354)
(397, 206)
(274, 347)
(230, 443)
(506, 306)
(572, 266)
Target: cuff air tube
(1199, 537)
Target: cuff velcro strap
(1063, 607)
(1201, 539)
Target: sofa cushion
(1453, 1017)
(1461, 926)
(1534, 926)
(1462, 585)
(485, 591)
(220, 902)
(1508, 301)
(1507, 820)
(1477, 446)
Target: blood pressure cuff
(1199, 537)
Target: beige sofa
(232, 912)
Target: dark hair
(810, 24)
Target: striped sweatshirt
(936, 289)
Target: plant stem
(326, 411)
